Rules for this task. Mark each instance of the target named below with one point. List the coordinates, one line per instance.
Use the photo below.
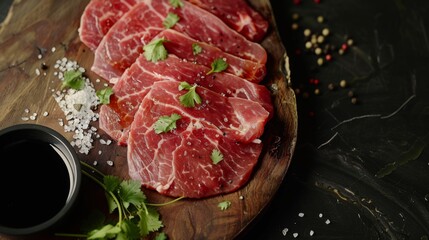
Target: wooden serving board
(33, 27)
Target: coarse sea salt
(77, 106)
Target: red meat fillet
(134, 84)
(124, 42)
(181, 46)
(238, 15)
(179, 163)
(98, 17)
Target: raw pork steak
(124, 42)
(178, 163)
(134, 84)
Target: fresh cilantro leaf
(155, 50)
(216, 156)
(161, 236)
(166, 123)
(111, 183)
(170, 20)
(130, 193)
(106, 232)
(129, 231)
(224, 205)
(196, 49)
(176, 3)
(153, 221)
(104, 95)
(149, 221)
(191, 97)
(73, 79)
(218, 65)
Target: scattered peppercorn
(343, 83)
(331, 86)
(354, 100)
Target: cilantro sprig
(73, 79)
(104, 95)
(216, 156)
(196, 49)
(176, 3)
(155, 50)
(166, 123)
(136, 217)
(170, 20)
(224, 205)
(191, 97)
(218, 65)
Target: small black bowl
(40, 178)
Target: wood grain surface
(33, 27)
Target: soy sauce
(34, 182)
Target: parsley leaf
(166, 123)
(104, 95)
(196, 49)
(191, 97)
(216, 156)
(170, 20)
(73, 79)
(218, 65)
(224, 205)
(155, 50)
(176, 3)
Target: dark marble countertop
(361, 166)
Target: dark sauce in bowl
(39, 178)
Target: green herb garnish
(218, 65)
(136, 217)
(161, 236)
(196, 49)
(176, 3)
(170, 20)
(73, 79)
(216, 156)
(104, 95)
(191, 97)
(155, 50)
(224, 205)
(166, 123)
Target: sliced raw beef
(134, 84)
(124, 42)
(178, 163)
(238, 15)
(98, 17)
(181, 46)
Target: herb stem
(75, 235)
(166, 203)
(109, 192)
(92, 168)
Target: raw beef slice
(181, 46)
(178, 163)
(238, 15)
(98, 17)
(116, 118)
(124, 42)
